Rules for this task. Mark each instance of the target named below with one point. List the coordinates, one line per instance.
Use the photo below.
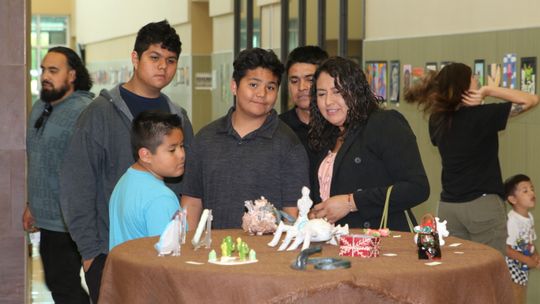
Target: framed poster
(509, 71)
(394, 81)
(528, 74)
(479, 69)
(407, 71)
(431, 66)
(417, 74)
(445, 63)
(494, 75)
(376, 76)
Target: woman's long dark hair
(440, 94)
(350, 81)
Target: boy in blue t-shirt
(141, 204)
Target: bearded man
(65, 86)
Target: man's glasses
(44, 115)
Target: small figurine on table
(261, 217)
(252, 255)
(427, 239)
(243, 251)
(245, 254)
(227, 247)
(212, 256)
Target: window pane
(53, 30)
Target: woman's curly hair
(351, 82)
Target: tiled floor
(40, 292)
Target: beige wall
(388, 19)
(223, 27)
(113, 49)
(200, 24)
(100, 20)
(48, 7)
(220, 7)
(332, 16)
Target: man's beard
(50, 95)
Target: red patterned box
(361, 245)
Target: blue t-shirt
(141, 205)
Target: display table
(135, 274)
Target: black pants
(93, 276)
(62, 267)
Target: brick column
(14, 91)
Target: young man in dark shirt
(248, 153)
(301, 65)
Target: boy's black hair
(82, 81)
(250, 59)
(148, 129)
(306, 54)
(158, 32)
(511, 183)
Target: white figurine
(441, 230)
(304, 230)
(169, 241)
(204, 226)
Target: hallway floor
(40, 292)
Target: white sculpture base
(231, 261)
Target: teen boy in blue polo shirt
(248, 153)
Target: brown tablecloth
(135, 274)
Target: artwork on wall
(180, 78)
(431, 66)
(407, 71)
(417, 74)
(494, 75)
(376, 76)
(509, 71)
(445, 63)
(479, 70)
(203, 81)
(394, 81)
(528, 74)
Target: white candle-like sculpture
(206, 219)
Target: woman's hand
(333, 209)
(473, 98)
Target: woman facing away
(363, 150)
(465, 131)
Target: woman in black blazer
(363, 150)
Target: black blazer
(375, 155)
